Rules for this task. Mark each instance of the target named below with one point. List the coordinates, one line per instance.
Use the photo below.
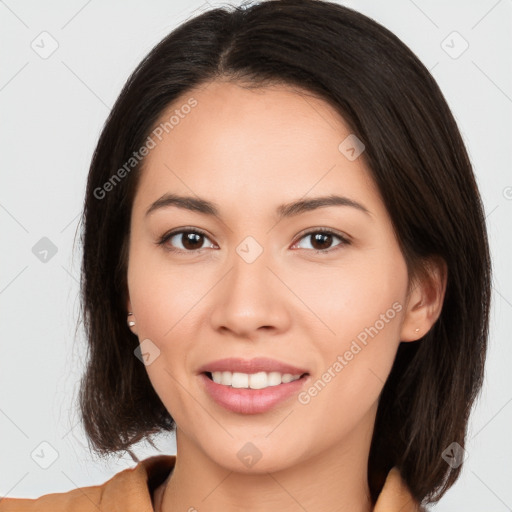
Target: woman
(286, 261)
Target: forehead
(259, 143)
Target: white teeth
(258, 380)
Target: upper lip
(258, 364)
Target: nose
(250, 299)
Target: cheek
(361, 306)
(165, 298)
(162, 293)
(363, 291)
(167, 320)
(354, 367)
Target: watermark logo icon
(45, 45)
(454, 455)
(147, 352)
(351, 147)
(249, 249)
(454, 45)
(249, 454)
(44, 250)
(44, 455)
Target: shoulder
(128, 490)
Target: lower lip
(251, 401)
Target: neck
(335, 479)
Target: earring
(131, 323)
(417, 329)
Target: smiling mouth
(276, 381)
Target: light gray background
(52, 111)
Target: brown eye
(184, 241)
(191, 241)
(322, 240)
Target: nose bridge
(250, 268)
(249, 296)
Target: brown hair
(418, 161)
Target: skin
(249, 151)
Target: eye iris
(190, 239)
(326, 238)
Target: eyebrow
(200, 205)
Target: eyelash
(167, 236)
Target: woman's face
(259, 280)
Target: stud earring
(417, 329)
(131, 323)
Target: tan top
(131, 490)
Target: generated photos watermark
(358, 343)
(143, 151)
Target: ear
(425, 299)
(130, 319)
